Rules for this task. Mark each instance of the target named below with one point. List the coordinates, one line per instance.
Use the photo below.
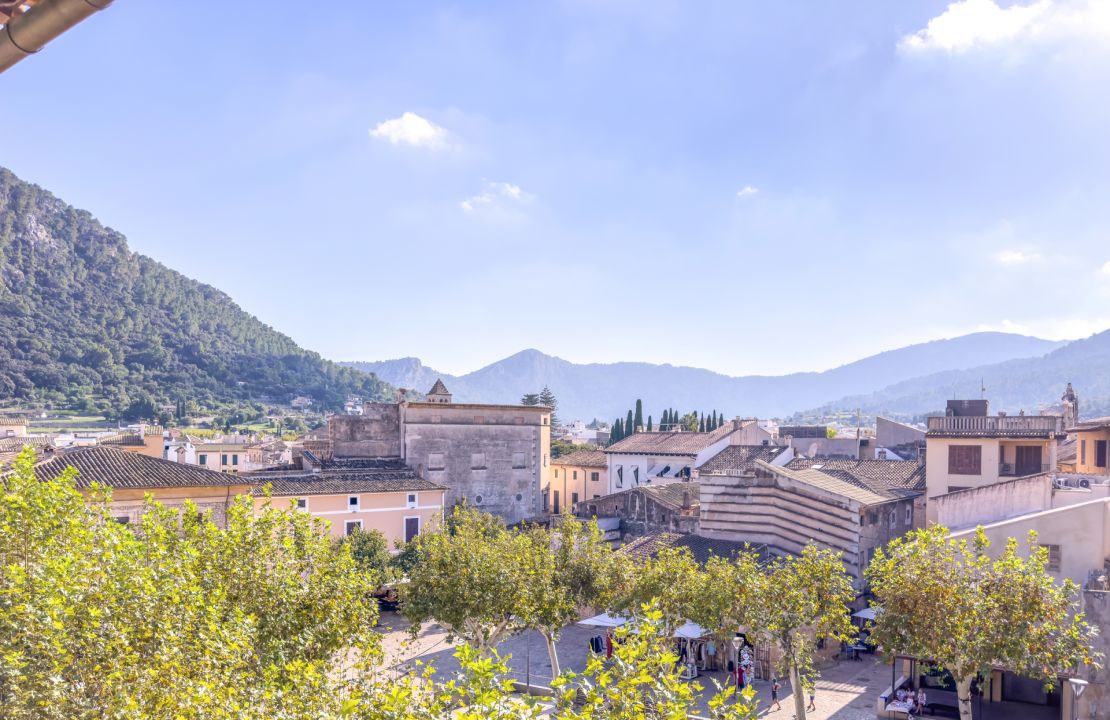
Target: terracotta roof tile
(739, 459)
(341, 476)
(702, 548)
(120, 469)
(583, 458)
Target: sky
(749, 187)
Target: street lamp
(1077, 688)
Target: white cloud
(746, 192)
(411, 129)
(967, 24)
(1016, 257)
(496, 194)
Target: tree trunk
(797, 691)
(963, 696)
(552, 654)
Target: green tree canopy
(177, 617)
(948, 600)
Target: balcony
(1021, 470)
(1045, 426)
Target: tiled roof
(1067, 451)
(830, 483)
(700, 547)
(675, 494)
(738, 459)
(583, 458)
(1101, 423)
(120, 469)
(876, 475)
(669, 443)
(126, 439)
(439, 388)
(15, 444)
(353, 475)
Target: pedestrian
(775, 687)
(812, 698)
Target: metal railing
(998, 423)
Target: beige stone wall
(128, 503)
(572, 479)
(375, 433)
(1085, 461)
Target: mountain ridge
(606, 390)
(86, 323)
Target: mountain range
(85, 323)
(1019, 372)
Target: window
(1100, 453)
(872, 518)
(223, 459)
(573, 499)
(1082, 452)
(302, 503)
(477, 461)
(519, 497)
(478, 499)
(520, 461)
(435, 461)
(122, 519)
(234, 459)
(203, 459)
(558, 509)
(352, 503)
(545, 459)
(575, 477)
(965, 460)
(1053, 558)
(410, 501)
(620, 476)
(412, 528)
(556, 473)
(546, 501)
(893, 519)
(594, 477)
(352, 526)
(909, 514)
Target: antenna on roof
(982, 388)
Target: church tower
(1071, 408)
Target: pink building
(358, 494)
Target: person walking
(812, 698)
(775, 687)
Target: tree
(566, 569)
(721, 419)
(830, 432)
(689, 422)
(701, 424)
(615, 434)
(530, 399)
(643, 680)
(638, 421)
(669, 582)
(177, 617)
(370, 550)
(649, 429)
(547, 399)
(468, 579)
(801, 596)
(665, 421)
(947, 600)
(629, 424)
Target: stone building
(495, 457)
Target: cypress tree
(638, 422)
(649, 423)
(616, 434)
(701, 424)
(722, 419)
(629, 424)
(664, 424)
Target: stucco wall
(1079, 530)
(993, 503)
(128, 503)
(384, 512)
(1085, 461)
(563, 479)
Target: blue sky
(743, 186)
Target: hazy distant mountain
(1014, 385)
(608, 390)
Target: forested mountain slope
(87, 323)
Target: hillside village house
(968, 448)
(494, 457)
(380, 494)
(645, 458)
(228, 457)
(648, 509)
(12, 426)
(581, 475)
(133, 476)
(146, 440)
(1092, 440)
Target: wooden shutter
(965, 460)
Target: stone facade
(495, 457)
